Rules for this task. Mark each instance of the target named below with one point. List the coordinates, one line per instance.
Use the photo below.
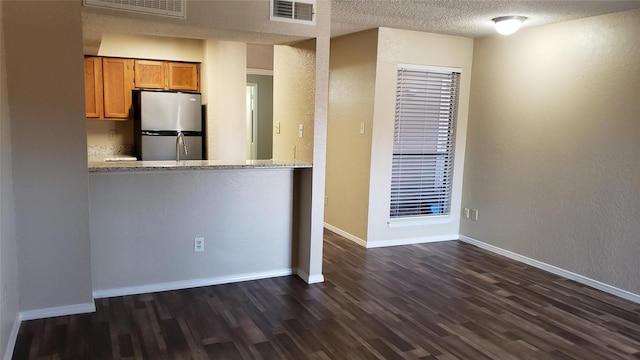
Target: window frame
(419, 217)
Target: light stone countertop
(189, 165)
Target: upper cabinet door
(93, 87)
(150, 74)
(118, 83)
(184, 76)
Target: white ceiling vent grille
(170, 8)
(302, 12)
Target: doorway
(259, 118)
(252, 121)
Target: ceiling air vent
(301, 12)
(170, 8)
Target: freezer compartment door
(164, 148)
(170, 111)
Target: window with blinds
(424, 139)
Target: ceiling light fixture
(507, 25)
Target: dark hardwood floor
(446, 300)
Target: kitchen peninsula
(248, 212)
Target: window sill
(420, 221)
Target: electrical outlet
(474, 214)
(112, 135)
(300, 130)
(198, 244)
(466, 213)
(326, 200)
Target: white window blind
(424, 139)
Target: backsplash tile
(93, 150)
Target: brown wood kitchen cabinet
(93, 87)
(117, 83)
(107, 87)
(150, 74)
(183, 76)
(109, 81)
(167, 75)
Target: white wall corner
(346, 235)
(554, 270)
(13, 337)
(309, 279)
(57, 311)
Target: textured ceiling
(462, 18)
(470, 18)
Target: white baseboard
(13, 337)
(555, 270)
(185, 284)
(410, 241)
(395, 242)
(57, 311)
(310, 279)
(346, 235)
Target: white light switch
(277, 127)
(361, 128)
(300, 130)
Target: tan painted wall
(151, 47)
(293, 100)
(8, 246)
(48, 149)
(352, 76)
(223, 87)
(260, 56)
(98, 133)
(553, 156)
(409, 47)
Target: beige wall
(260, 56)
(8, 246)
(98, 133)
(553, 157)
(294, 76)
(351, 92)
(48, 149)
(151, 47)
(223, 87)
(409, 47)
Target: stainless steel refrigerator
(168, 125)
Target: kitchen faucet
(180, 139)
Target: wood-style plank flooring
(446, 300)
